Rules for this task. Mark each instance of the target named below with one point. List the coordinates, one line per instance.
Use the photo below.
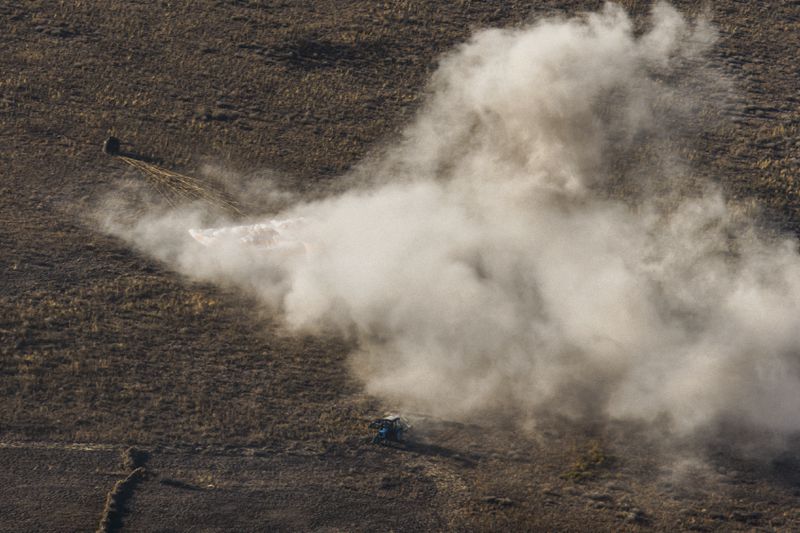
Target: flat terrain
(245, 427)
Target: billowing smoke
(515, 252)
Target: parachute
(273, 234)
(173, 186)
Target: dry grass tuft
(589, 463)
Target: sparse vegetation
(101, 347)
(589, 463)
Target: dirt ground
(244, 427)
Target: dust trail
(489, 268)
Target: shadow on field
(434, 450)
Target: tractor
(390, 429)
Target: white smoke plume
(489, 268)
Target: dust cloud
(521, 248)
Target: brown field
(246, 428)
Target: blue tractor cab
(390, 429)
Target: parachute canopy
(273, 234)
